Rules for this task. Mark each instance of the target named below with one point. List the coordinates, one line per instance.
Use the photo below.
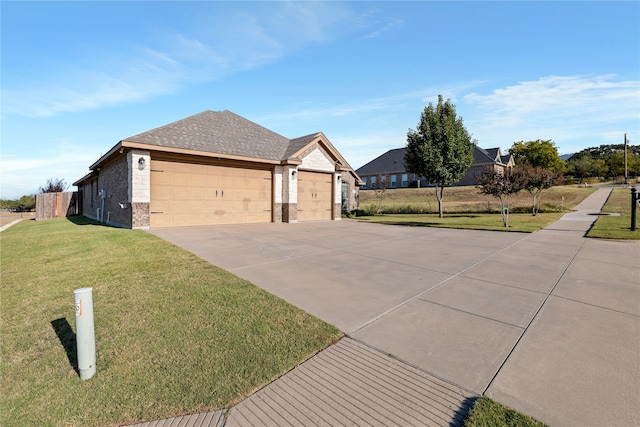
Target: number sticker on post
(78, 307)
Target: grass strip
(486, 412)
(525, 223)
(174, 334)
(468, 199)
(616, 227)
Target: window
(345, 195)
(405, 180)
(373, 181)
(394, 182)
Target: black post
(634, 207)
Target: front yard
(174, 334)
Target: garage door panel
(159, 177)
(161, 206)
(209, 193)
(163, 193)
(195, 206)
(226, 181)
(194, 193)
(195, 180)
(179, 193)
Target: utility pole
(626, 175)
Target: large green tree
(586, 167)
(604, 161)
(440, 149)
(24, 203)
(542, 153)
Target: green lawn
(616, 227)
(487, 412)
(468, 199)
(174, 334)
(466, 208)
(525, 223)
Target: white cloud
(240, 39)
(574, 111)
(150, 74)
(22, 175)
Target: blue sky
(77, 77)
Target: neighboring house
(217, 168)
(391, 165)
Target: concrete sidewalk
(347, 384)
(547, 323)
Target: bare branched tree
(54, 185)
(380, 188)
(501, 185)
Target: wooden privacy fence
(55, 205)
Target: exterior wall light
(293, 174)
(141, 163)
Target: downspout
(103, 195)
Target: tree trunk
(536, 204)
(439, 195)
(504, 203)
(505, 216)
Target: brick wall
(114, 179)
(87, 195)
(353, 192)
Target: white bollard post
(85, 333)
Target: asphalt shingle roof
(393, 160)
(389, 162)
(481, 155)
(298, 144)
(218, 132)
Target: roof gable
(481, 155)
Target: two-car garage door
(199, 194)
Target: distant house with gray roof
(391, 164)
(216, 167)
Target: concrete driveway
(547, 323)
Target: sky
(78, 77)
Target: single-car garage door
(314, 196)
(197, 194)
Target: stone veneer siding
(277, 212)
(140, 215)
(337, 211)
(289, 212)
